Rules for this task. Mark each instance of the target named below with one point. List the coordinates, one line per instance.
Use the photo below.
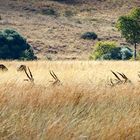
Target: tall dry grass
(84, 107)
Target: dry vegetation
(82, 107)
(67, 100)
(57, 37)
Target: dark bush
(126, 53)
(14, 46)
(119, 53)
(113, 54)
(49, 11)
(116, 53)
(89, 35)
(106, 56)
(28, 55)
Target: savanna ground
(82, 107)
(56, 35)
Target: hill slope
(54, 28)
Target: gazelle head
(3, 67)
(56, 79)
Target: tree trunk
(135, 51)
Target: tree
(129, 26)
(14, 46)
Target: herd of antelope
(119, 78)
(29, 74)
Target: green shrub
(14, 46)
(102, 48)
(89, 35)
(119, 53)
(109, 51)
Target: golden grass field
(82, 107)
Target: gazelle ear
(55, 75)
(31, 76)
(52, 74)
(125, 77)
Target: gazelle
(3, 67)
(56, 79)
(120, 78)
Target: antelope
(29, 75)
(3, 68)
(56, 79)
(120, 78)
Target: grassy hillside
(54, 28)
(82, 107)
